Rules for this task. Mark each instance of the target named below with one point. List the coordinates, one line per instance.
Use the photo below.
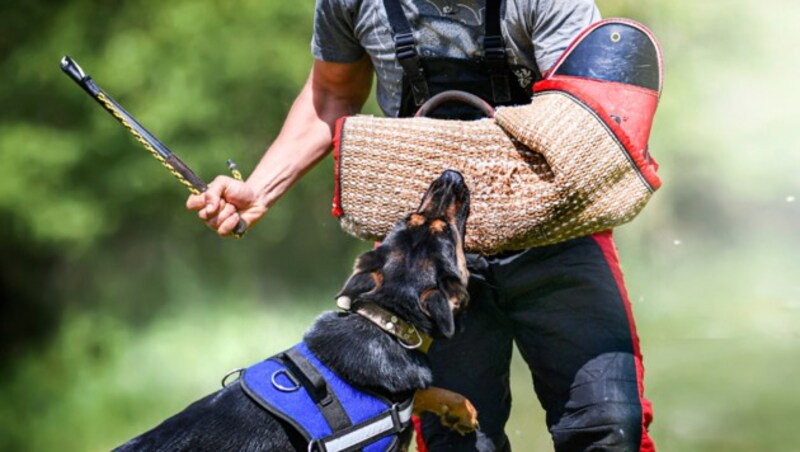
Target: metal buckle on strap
(494, 50)
(405, 46)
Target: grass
(720, 341)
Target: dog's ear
(366, 277)
(442, 304)
(456, 293)
(440, 312)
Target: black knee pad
(603, 411)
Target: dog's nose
(448, 196)
(452, 177)
(452, 182)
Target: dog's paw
(454, 410)
(460, 416)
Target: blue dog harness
(331, 414)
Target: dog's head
(419, 271)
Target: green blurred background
(119, 307)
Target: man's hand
(225, 201)
(333, 90)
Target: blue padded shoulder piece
(275, 385)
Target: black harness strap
(329, 405)
(405, 49)
(494, 53)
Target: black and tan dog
(399, 296)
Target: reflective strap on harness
(391, 421)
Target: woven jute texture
(538, 174)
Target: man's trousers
(566, 308)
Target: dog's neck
(407, 334)
(365, 355)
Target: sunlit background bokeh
(120, 308)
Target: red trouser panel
(606, 243)
(421, 446)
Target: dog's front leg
(455, 411)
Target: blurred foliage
(89, 215)
(119, 307)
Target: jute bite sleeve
(565, 165)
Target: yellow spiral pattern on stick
(110, 107)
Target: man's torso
(535, 32)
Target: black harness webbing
(494, 53)
(331, 414)
(329, 405)
(405, 48)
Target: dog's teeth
(344, 302)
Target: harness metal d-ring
(288, 375)
(314, 446)
(238, 372)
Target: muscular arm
(331, 91)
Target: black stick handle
(174, 165)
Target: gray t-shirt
(535, 32)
